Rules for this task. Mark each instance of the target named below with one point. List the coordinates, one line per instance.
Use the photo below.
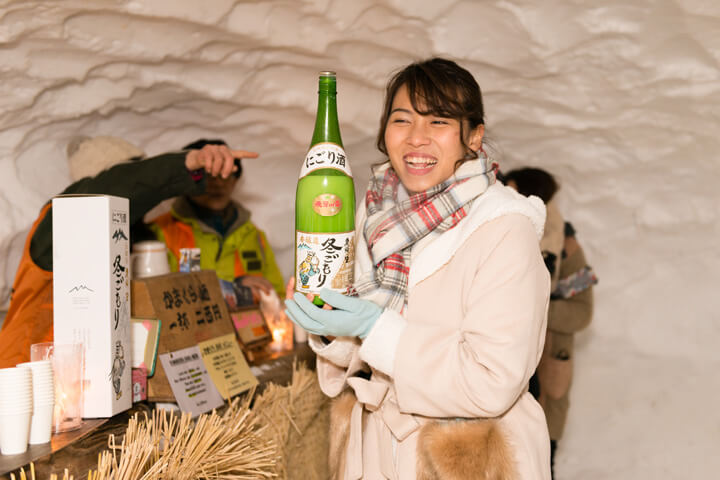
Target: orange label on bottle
(327, 204)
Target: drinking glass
(68, 366)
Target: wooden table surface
(78, 450)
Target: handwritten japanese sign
(191, 309)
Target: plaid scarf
(393, 227)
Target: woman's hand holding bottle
(349, 317)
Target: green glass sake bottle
(325, 204)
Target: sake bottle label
(325, 155)
(324, 260)
(327, 204)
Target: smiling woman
(424, 149)
(432, 123)
(449, 315)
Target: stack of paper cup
(43, 400)
(16, 405)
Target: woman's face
(423, 149)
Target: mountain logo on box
(80, 287)
(119, 235)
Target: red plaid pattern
(392, 227)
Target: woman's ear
(476, 136)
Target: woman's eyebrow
(403, 110)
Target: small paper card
(236, 296)
(193, 389)
(227, 366)
(139, 384)
(145, 336)
(250, 326)
(139, 335)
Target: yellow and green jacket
(243, 250)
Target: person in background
(570, 310)
(430, 362)
(534, 181)
(229, 242)
(100, 165)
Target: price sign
(191, 309)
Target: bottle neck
(327, 128)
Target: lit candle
(277, 342)
(282, 334)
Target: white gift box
(91, 255)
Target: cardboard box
(91, 254)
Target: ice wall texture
(619, 99)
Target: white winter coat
(466, 346)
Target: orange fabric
(239, 269)
(177, 234)
(30, 317)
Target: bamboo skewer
(66, 475)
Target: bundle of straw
(284, 435)
(298, 419)
(229, 446)
(66, 475)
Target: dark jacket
(145, 182)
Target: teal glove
(352, 316)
